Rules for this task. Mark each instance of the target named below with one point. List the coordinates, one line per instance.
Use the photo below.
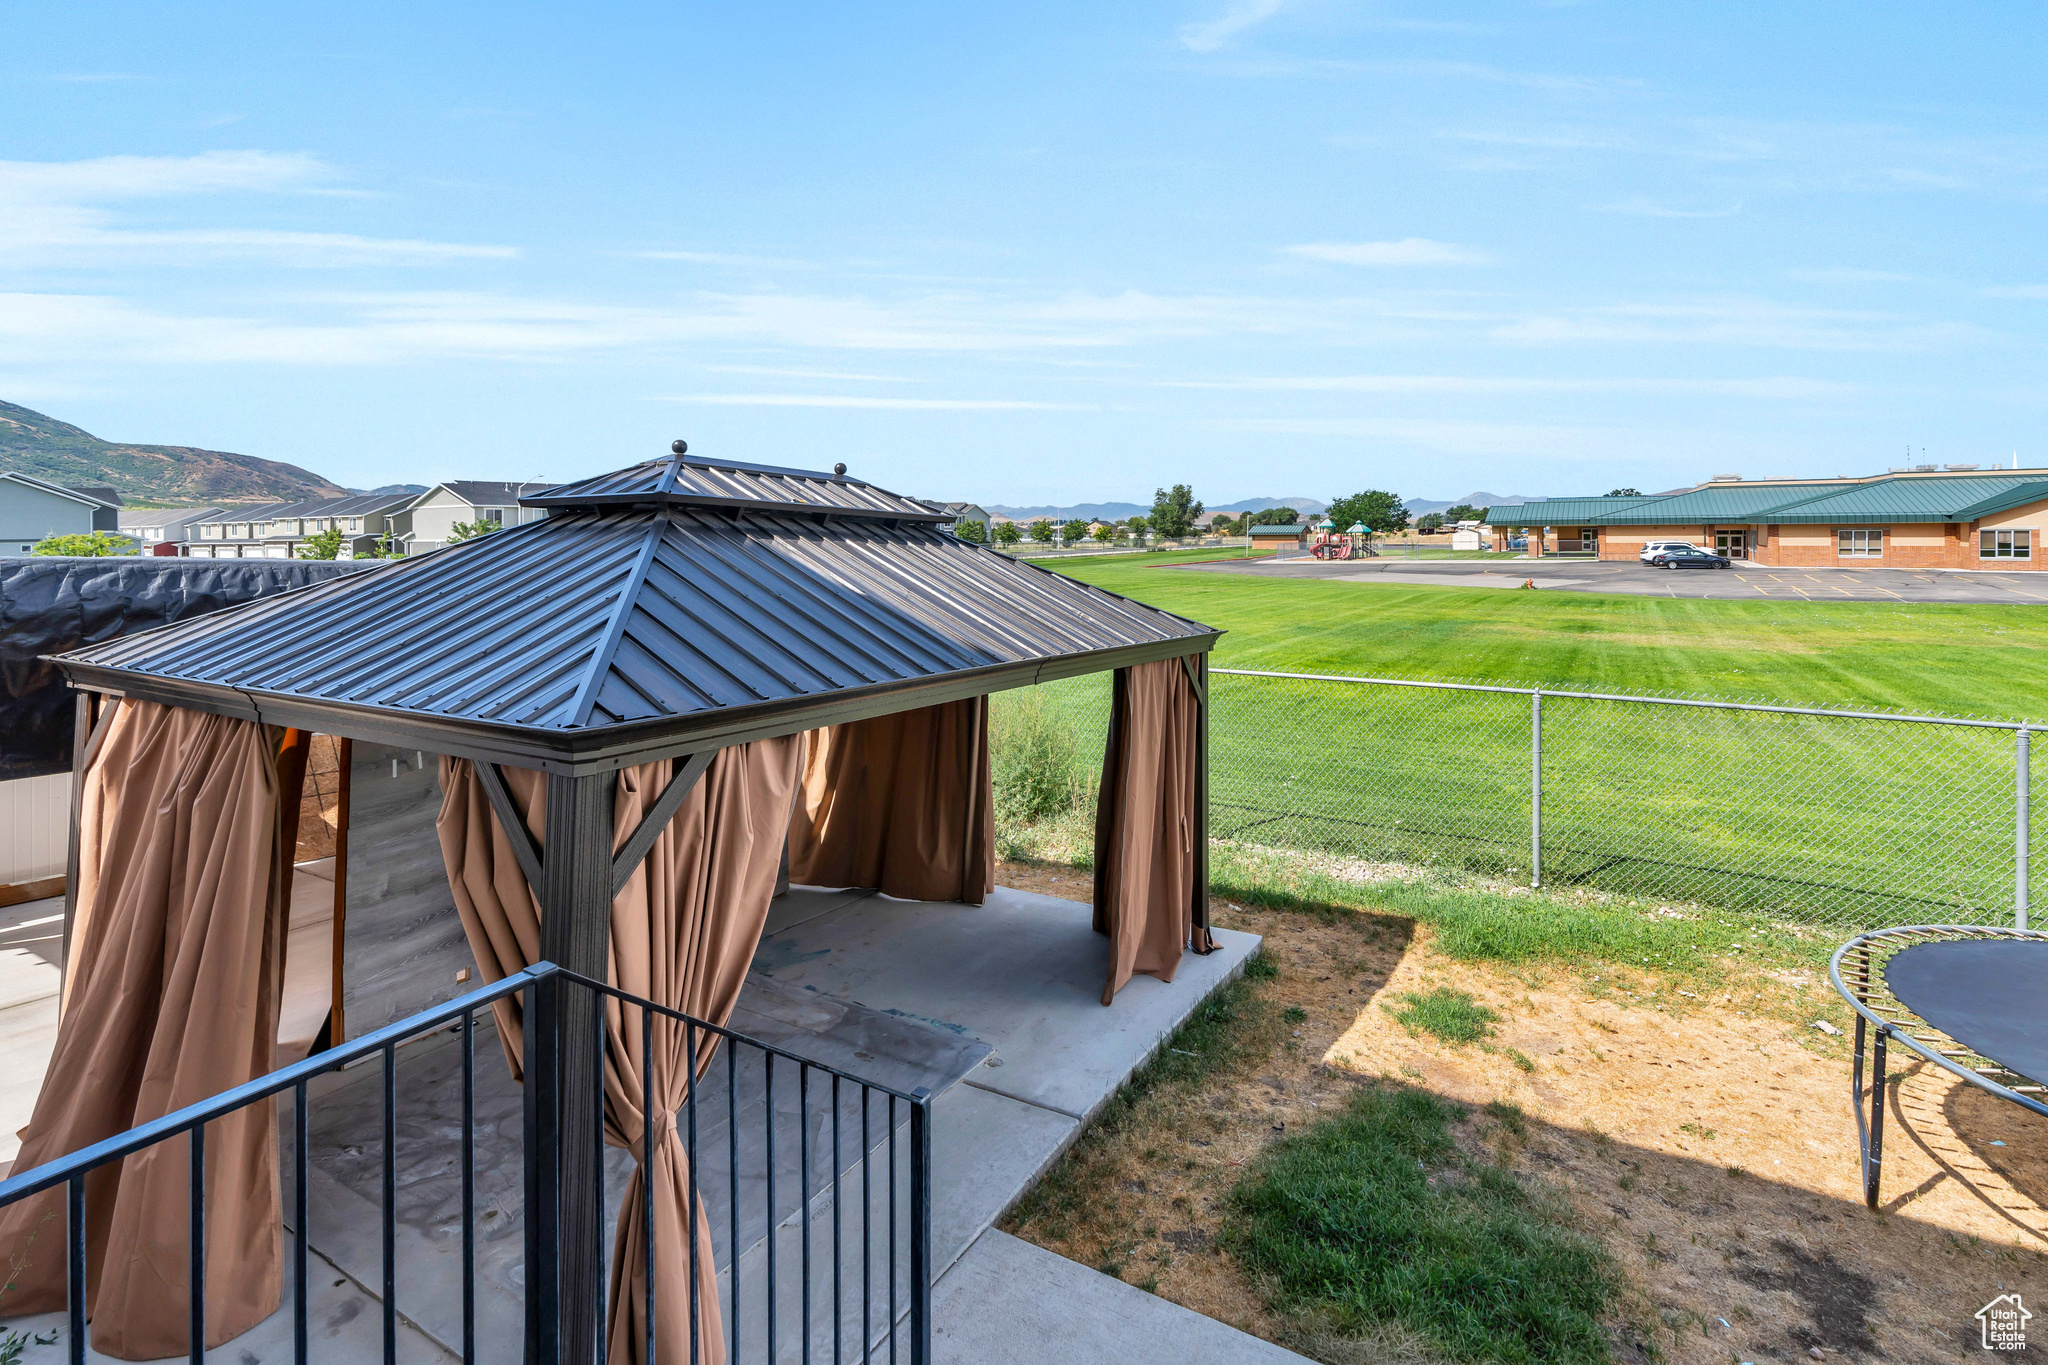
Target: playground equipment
(1966, 998)
(1330, 543)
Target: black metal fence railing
(799, 1270)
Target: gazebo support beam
(1198, 674)
(565, 1075)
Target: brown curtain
(903, 802)
(1145, 823)
(185, 840)
(683, 931)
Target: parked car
(1691, 558)
(1653, 548)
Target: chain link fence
(1852, 819)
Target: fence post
(2022, 816)
(1536, 789)
(920, 1227)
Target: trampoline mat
(1987, 994)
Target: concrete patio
(994, 1008)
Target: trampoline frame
(1857, 970)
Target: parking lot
(1584, 575)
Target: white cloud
(838, 400)
(1781, 386)
(1407, 251)
(55, 213)
(1212, 34)
(2018, 291)
(1639, 207)
(1736, 322)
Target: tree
(470, 530)
(1623, 493)
(1041, 531)
(326, 545)
(1464, 511)
(1106, 532)
(1174, 513)
(973, 532)
(90, 545)
(1275, 516)
(1007, 534)
(1138, 526)
(1430, 523)
(1379, 510)
(1074, 530)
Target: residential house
(431, 517)
(962, 512)
(1924, 517)
(154, 527)
(277, 530)
(32, 508)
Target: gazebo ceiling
(652, 610)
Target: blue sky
(1036, 253)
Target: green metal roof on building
(1720, 503)
(1962, 497)
(1562, 511)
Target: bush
(1037, 774)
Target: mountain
(1423, 507)
(413, 488)
(31, 443)
(1119, 511)
(1307, 506)
(1081, 511)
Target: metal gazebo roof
(654, 611)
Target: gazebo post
(565, 1077)
(1204, 941)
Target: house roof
(1962, 498)
(137, 518)
(485, 492)
(617, 629)
(96, 495)
(1719, 502)
(1558, 511)
(1285, 528)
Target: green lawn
(1983, 660)
(1838, 821)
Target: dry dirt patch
(1714, 1154)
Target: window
(494, 515)
(1860, 544)
(2005, 545)
(355, 523)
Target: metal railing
(894, 1216)
(1857, 818)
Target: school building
(1931, 517)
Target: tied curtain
(1145, 823)
(904, 803)
(186, 833)
(683, 931)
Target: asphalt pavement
(1744, 581)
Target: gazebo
(692, 681)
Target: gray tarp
(49, 605)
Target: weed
(1294, 1014)
(1451, 1015)
(1509, 1116)
(1374, 1217)
(1037, 774)
(1698, 1131)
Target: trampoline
(1971, 999)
